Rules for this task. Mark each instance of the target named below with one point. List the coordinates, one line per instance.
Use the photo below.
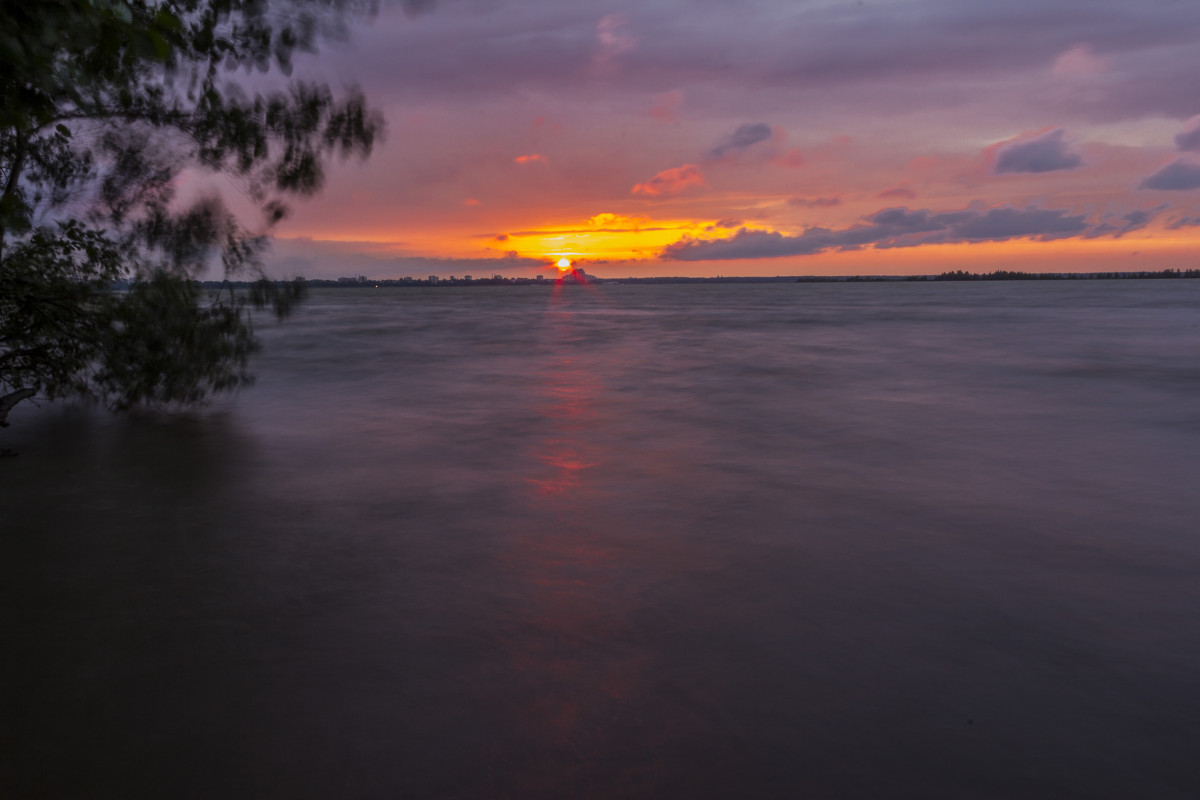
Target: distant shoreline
(958, 275)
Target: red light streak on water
(570, 639)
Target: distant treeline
(373, 283)
(956, 275)
(1007, 275)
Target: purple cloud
(898, 54)
(1184, 222)
(1012, 223)
(1188, 139)
(1178, 176)
(1046, 153)
(1118, 226)
(892, 227)
(742, 139)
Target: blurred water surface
(827, 540)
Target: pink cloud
(897, 193)
(612, 41)
(532, 158)
(669, 182)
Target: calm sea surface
(716, 541)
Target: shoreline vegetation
(362, 282)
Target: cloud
(612, 41)
(670, 182)
(1184, 222)
(1046, 153)
(1178, 176)
(815, 202)
(541, 232)
(897, 193)
(891, 227)
(741, 140)
(1007, 222)
(1189, 137)
(1118, 225)
(882, 56)
(532, 158)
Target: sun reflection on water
(572, 643)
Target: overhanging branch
(11, 399)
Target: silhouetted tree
(103, 103)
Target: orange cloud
(670, 182)
(532, 158)
(609, 236)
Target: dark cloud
(1011, 223)
(742, 139)
(1188, 139)
(1183, 222)
(892, 227)
(1046, 153)
(890, 56)
(1178, 176)
(1118, 225)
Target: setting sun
(564, 263)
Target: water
(847, 541)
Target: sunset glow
(822, 144)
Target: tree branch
(11, 399)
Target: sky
(762, 137)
